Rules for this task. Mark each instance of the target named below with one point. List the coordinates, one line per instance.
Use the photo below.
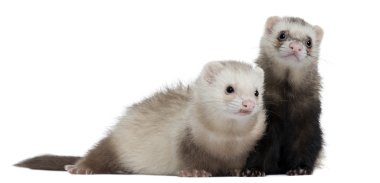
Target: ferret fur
(181, 129)
(293, 138)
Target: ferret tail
(48, 162)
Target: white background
(68, 70)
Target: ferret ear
(319, 33)
(211, 70)
(271, 21)
(260, 72)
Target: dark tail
(48, 162)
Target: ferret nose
(296, 46)
(248, 104)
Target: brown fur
(273, 77)
(48, 162)
(196, 157)
(102, 159)
(184, 128)
(297, 20)
(293, 138)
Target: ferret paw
(73, 169)
(299, 171)
(234, 173)
(252, 173)
(194, 173)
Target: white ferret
(204, 129)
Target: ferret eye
(309, 43)
(256, 93)
(230, 89)
(282, 36)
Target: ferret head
(291, 41)
(230, 89)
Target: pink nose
(248, 104)
(296, 46)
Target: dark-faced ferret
(293, 138)
(204, 129)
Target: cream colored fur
(298, 68)
(149, 136)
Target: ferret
(204, 129)
(289, 52)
